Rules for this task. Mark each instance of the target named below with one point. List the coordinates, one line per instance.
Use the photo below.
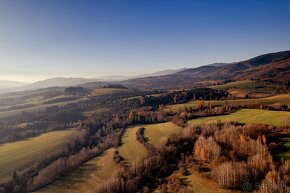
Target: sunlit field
(87, 177)
(282, 99)
(251, 116)
(21, 154)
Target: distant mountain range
(61, 82)
(218, 64)
(273, 65)
(121, 78)
(9, 86)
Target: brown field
(86, 177)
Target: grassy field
(246, 87)
(39, 100)
(86, 177)
(155, 133)
(198, 183)
(285, 154)
(131, 149)
(283, 99)
(18, 155)
(105, 91)
(11, 113)
(255, 116)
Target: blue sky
(86, 38)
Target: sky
(91, 38)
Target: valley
(133, 136)
(144, 96)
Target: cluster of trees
(177, 97)
(140, 135)
(275, 106)
(115, 86)
(277, 180)
(244, 159)
(76, 90)
(173, 185)
(206, 149)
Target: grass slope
(5, 114)
(198, 182)
(246, 87)
(18, 155)
(155, 133)
(248, 116)
(105, 91)
(285, 154)
(39, 104)
(97, 170)
(132, 150)
(86, 177)
(283, 99)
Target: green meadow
(18, 155)
(251, 116)
(282, 99)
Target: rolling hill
(18, 155)
(273, 67)
(60, 82)
(8, 85)
(270, 66)
(250, 116)
(13, 86)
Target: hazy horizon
(35, 77)
(115, 96)
(46, 39)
